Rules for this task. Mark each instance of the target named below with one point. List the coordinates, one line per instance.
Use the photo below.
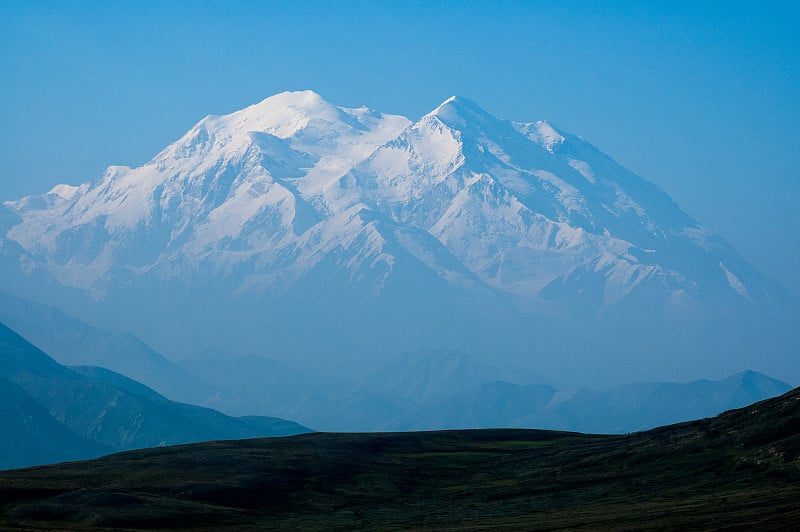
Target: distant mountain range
(340, 237)
(423, 390)
(617, 410)
(52, 413)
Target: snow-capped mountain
(294, 214)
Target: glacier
(336, 236)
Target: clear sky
(701, 98)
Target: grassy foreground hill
(740, 470)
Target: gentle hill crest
(739, 469)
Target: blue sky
(701, 98)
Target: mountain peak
(303, 99)
(459, 111)
(458, 101)
(282, 114)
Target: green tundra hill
(739, 470)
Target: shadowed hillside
(51, 413)
(738, 470)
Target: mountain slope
(738, 470)
(458, 231)
(112, 411)
(32, 436)
(72, 342)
